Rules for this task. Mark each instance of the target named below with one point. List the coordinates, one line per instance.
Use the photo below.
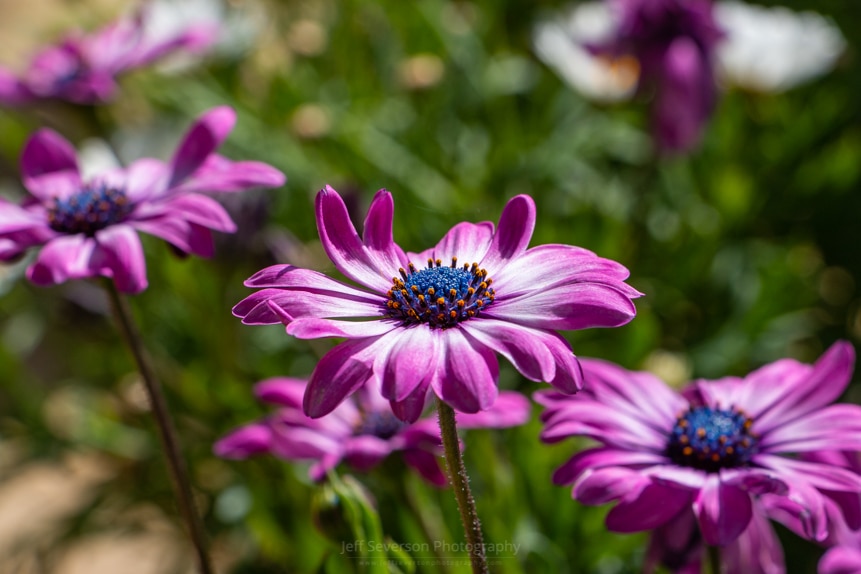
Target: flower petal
(49, 167)
(510, 409)
(427, 465)
(468, 382)
(340, 373)
(836, 427)
(313, 328)
(601, 457)
(378, 237)
(572, 306)
(245, 441)
(281, 391)
(468, 242)
(201, 140)
(124, 257)
(840, 560)
(723, 511)
(64, 258)
(647, 508)
(526, 348)
(412, 361)
(219, 174)
(513, 233)
(343, 246)
(366, 451)
(602, 485)
(182, 234)
(201, 210)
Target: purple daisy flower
(88, 228)
(83, 68)
(362, 431)
(715, 455)
(481, 292)
(674, 42)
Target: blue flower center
(380, 424)
(710, 439)
(439, 296)
(95, 207)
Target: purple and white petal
(201, 140)
(470, 372)
(516, 224)
(49, 166)
(124, 257)
(723, 511)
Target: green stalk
(460, 483)
(167, 432)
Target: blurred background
(747, 249)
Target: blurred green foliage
(747, 251)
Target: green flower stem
(167, 432)
(713, 564)
(460, 484)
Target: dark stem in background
(713, 553)
(167, 433)
(460, 484)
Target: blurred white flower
(765, 49)
(774, 49)
(560, 45)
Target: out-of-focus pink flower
(88, 228)
(720, 454)
(361, 431)
(413, 329)
(83, 68)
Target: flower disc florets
(440, 296)
(93, 208)
(710, 439)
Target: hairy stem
(460, 484)
(167, 433)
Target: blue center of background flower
(439, 296)
(380, 424)
(91, 209)
(711, 439)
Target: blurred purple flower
(717, 452)
(439, 327)
(361, 431)
(674, 42)
(83, 68)
(89, 228)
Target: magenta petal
(835, 427)
(64, 258)
(427, 465)
(184, 235)
(378, 232)
(365, 452)
(468, 242)
(313, 328)
(124, 257)
(723, 511)
(757, 550)
(219, 174)
(819, 386)
(201, 210)
(412, 361)
(802, 510)
(201, 140)
(601, 457)
(245, 441)
(343, 246)
(289, 277)
(513, 232)
(841, 560)
(573, 306)
(524, 347)
(821, 476)
(282, 391)
(468, 382)
(141, 179)
(510, 409)
(602, 485)
(339, 374)
(410, 409)
(49, 166)
(647, 508)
